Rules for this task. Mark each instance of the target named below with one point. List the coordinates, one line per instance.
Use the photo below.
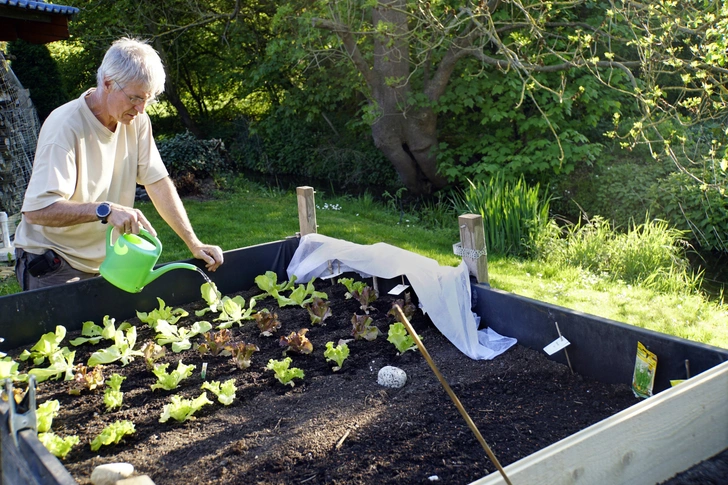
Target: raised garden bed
(302, 440)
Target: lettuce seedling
(183, 409)
(319, 310)
(58, 446)
(216, 343)
(164, 312)
(86, 379)
(297, 342)
(45, 413)
(9, 370)
(268, 284)
(122, 350)
(213, 298)
(234, 311)
(90, 333)
(362, 328)
(112, 434)
(171, 381)
(46, 346)
(113, 397)
(408, 308)
(361, 292)
(242, 354)
(267, 322)
(284, 374)
(401, 339)
(61, 363)
(337, 354)
(301, 295)
(179, 337)
(152, 352)
(225, 392)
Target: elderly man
(91, 153)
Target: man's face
(128, 101)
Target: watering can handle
(142, 232)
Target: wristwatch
(103, 210)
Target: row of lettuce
(228, 311)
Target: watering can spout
(154, 274)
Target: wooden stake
(568, 361)
(306, 210)
(472, 239)
(452, 395)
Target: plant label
(398, 289)
(556, 345)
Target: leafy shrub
(698, 209)
(190, 160)
(513, 213)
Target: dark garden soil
(335, 427)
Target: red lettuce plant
(362, 328)
(297, 342)
(267, 322)
(318, 310)
(216, 343)
(242, 354)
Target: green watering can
(130, 261)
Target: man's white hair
(132, 61)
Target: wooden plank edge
(645, 444)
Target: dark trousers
(43, 270)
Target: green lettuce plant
(164, 312)
(268, 284)
(337, 354)
(170, 381)
(181, 409)
(45, 413)
(225, 392)
(61, 363)
(113, 397)
(122, 349)
(401, 339)
(233, 310)
(59, 447)
(47, 345)
(284, 373)
(212, 297)
(112, 434)
(9, 370)
(179, 337)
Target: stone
(390, 376)
(110, 473)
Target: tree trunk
(406, 136)
(170, 90)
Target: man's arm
(169, 205)
(64, 213)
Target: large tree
(667, 56)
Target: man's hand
(211, 255)
(128, 220)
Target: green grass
(246, 215)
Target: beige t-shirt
(79, 159)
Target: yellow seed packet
(644, 372)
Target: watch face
(103, 211)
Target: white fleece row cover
(443, 291)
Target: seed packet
(644, 372)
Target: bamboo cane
(452, 395)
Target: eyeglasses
(136, 100)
